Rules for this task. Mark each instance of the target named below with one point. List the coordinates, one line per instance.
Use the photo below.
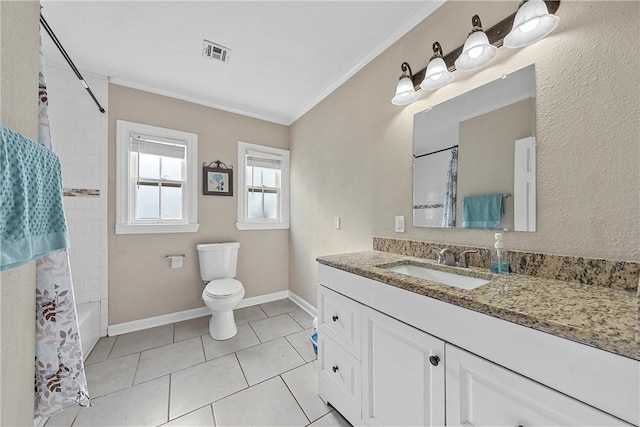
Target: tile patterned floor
(177, 375)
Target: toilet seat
(223, 288)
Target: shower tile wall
(79, 133)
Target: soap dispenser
(499, 257)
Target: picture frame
(217, 180)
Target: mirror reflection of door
(483, 125)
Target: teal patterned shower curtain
(60, 379)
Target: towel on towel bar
(482, 211)
(32, 219)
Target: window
(156, 185)
(263, 187)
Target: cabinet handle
(335, 317)
(434, 360)
(335, 368)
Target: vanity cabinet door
(481, 393)
(401, 385)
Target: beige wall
(19, 111)
(141, 284)
(588, 119)
(486, 153)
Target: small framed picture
(217, 181)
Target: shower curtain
(60, 379)
(449, 205)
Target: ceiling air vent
(214, 51)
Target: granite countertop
(601, 317)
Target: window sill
(156, 228)
(262, 225)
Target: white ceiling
(286, 56)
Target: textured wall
(141, 284)
(19, 110)
(588, 127)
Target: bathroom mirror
(478, 147)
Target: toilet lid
(223, 288)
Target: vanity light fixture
(532, 23)
(405, 91)
(437, 74)
(534, 20)
(477, 51)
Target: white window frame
(265, 224)
(125, 224)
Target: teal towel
(482, 211)
(32, 221)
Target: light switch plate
(400, 224)
(336, 222)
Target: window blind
(263, 160)
(158, 146)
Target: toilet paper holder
(175, 261)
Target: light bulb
(530, 25)
(475, 52)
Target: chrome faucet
(446, 257)
(462, 260)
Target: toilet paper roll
(176, 261)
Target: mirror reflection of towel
(482, 211)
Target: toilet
(218, 264)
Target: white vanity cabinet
(375, 369)
(377, 364)
(481, 393)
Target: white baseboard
(313, 312)
(180, 316)
(261, 299)
(152, 322)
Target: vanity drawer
(339, 319)
(339, 379)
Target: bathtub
(89, 325)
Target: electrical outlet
(400, 224)
(336, 222)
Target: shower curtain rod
(69, 61)
(434, 152)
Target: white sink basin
(442, 277)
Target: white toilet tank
(218, 260)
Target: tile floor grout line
(235, 353)
(190, 412)
(265, 313)
(127, 388)
(331, 409)
(74, 418)
(112, 347)
(226, 354)
(169, 401)
(254, 332)
(135, 372)
(213, 414)
(294, 397)
(294, 319)
(204, 353)
(179, 370)
(294, 347)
